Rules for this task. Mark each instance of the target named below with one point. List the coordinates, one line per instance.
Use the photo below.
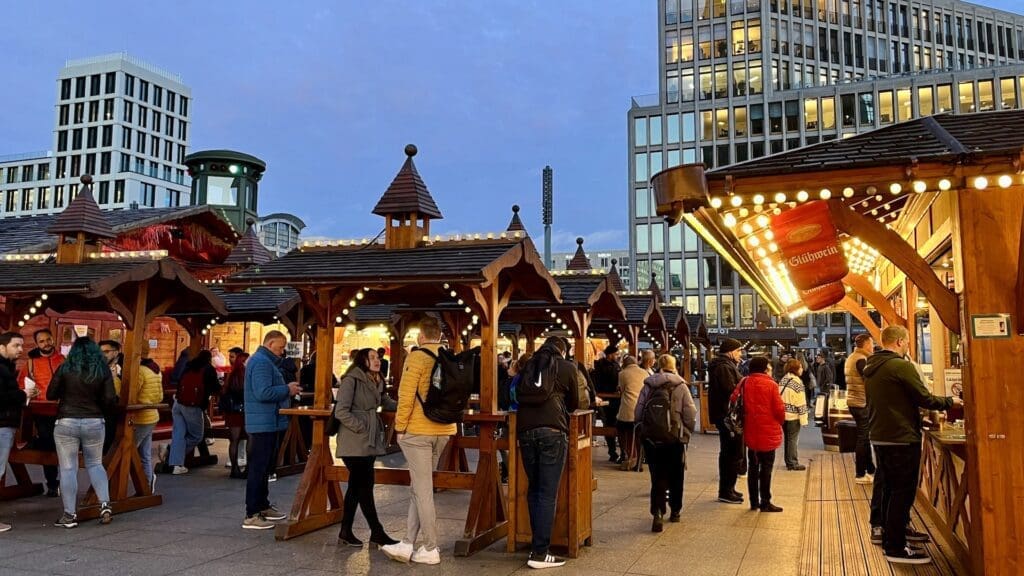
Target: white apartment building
(117, 118)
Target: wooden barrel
(837, 412)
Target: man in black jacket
(547, 394)
(895, 395)
(12, 398)
(606, 381)
(723, 376)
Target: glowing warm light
(919, 186)
(729, 220)
(981, 182)
(747, 228)
(753, 241)
(801, 196)
(758, 199)
(1004, 181)
(895, 188)
(945, 184)
(769, 235)
(780, 198)
(825, 194)
(716, 203)
(762, 220)
(736, 201)
(847, 192)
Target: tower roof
(407, 193)
(655, 291)
(579, 260)
(515, 225)
(614, 280)
(82, 215)
(249, 250)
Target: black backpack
(451, 382)
(539, 389)
(734, 416)
(659, 422)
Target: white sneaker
(4, 527)
(424, 556)
(179, 470)
(865, 479)
(546, 561)
(241, 463)
(401, 552)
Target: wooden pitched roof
(249, 251)
(579, 260)
(614, 279)
(515, 225)
(407, 193)
(82, 215)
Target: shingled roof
(407, 193)
(28, 233)
(579, 260)
(614, 279)
(249, 251)
(653, 288)
(82, 215)
(515, 225)
(931, 138)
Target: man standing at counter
(895, 394)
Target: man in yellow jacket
(150, 390)
(422, 441)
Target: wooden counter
(943, 490)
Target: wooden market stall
(929, 215)
(84, 277)
(483, 273)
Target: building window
(44, 198)
(966, 92)
(62, 164)
(129, 85)
(728, 314)
(27, 196)
(148, 194)
(91, 137)
(746, 309)
(11, 201)
(118, 191)
(642, 239)
(658, 237)
(62, 141)
(94, 111)
(65, 89)
(182, 130)
(65, 115)
(643, 202)
(143, 90)
(58, 196)
(143, 116)
(925, 101)
(90, 163)
(828, 113)
(184, 107)
(105, 163)
(640, 132)
(986, 100)
(80, 87)
(44, 171)
(171, 96)
(1007, 92)
(104, 196)
(711, 310)
(79, 113)
(76, 166)
(885, 107)
(690, 274)
(640, 167)
(158, 96)
(903, 104)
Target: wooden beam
(1020, 281)
(893, 247)
(862, 286)
(858, 312)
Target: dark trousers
(666, 463)
(865, 464)
(360, 493)
(730, 456)
(543, 454)
(44, 441)
(900, 466)
(609, 417)
(759, 477)
(791, 430)
(262, 456)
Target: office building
(747, 78)
(122, 120)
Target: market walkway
(197, 531)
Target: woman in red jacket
(763, 417)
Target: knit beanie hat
(728, 345)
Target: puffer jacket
(409, 417)
(362, 431)
(266, 392)
(723, 375)
(150, 390)
(682, 401)
(763, 412)
(856, 394)
(631, 382)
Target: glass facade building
(742, 79)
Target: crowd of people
(757, 405)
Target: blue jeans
(69, 435)
(187, 432)
(144, 444)
(6, 441)
(262, 457)
(543, 452)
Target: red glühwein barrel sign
(823, 296)
(810, 245)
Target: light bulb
(847, 192)
(1005, 180)
(920, 186)
(780, 197)
(945, 184)
(736, 201)
(825, 194)
(801, 196)
(758, 199)
(895, 188)
(729, 220)
(716, 203)
(981, 182)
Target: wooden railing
(943, 490)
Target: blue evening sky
(328, 94)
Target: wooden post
(910, 303)
(986, 246)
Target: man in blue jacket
(265, 393)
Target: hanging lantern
(810, 244)
(823, 296)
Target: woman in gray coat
(360, 441)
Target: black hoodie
(895, 394)
(12, 398)
(723, 375)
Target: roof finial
(579, 241)
(515, 208)
(410, 150)
(86, 179)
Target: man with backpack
(422, 439)
(546, 393)
(666, 416)
(191, 399)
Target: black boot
(346, 537)
(380, 538)
(237, 473)
(658, 524)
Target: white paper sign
(991, 325)
(153, 344)
(294, 350)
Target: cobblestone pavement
(198, 531)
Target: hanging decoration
(810, 245)
(824, 296)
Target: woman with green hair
(84, 387)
